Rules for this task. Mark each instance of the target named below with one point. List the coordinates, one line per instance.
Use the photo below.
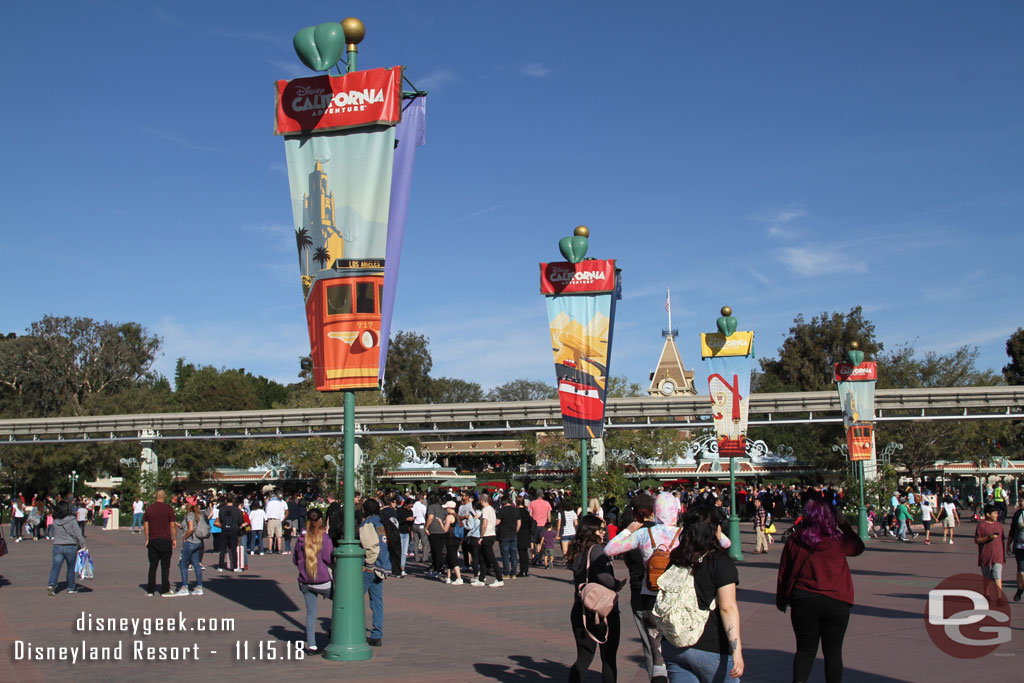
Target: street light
(337, 468)
(73, 478)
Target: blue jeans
(375, 587)
(509, 555)
(688, 665)
(191, 553)
(904, 529)
(405, 548)
(310, 595)
(62, 554)
(137, 520)
(256, 541)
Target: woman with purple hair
(814, 580)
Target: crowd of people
(682, 580)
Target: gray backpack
(202, 530)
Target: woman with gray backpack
(696, 609)
(195, 529)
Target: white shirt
(926, 511)
(419, 513)
(276, 508)
(492, 521)
(950, 509)
(256, 519)
(138, 506)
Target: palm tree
(303, 241)
(321, 257)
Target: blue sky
(782, 158)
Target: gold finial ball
(726, 310)
(854, 345)
(354, 29)
(581, 231)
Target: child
(989, 537)
(286, 531)
(613, 528)
(549, 546)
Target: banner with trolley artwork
(580, 301)
(341, 192)
(856, 384)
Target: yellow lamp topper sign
(716, 344)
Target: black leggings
(471, 551)
(818, 617)
(437, 551)
(453, 550)
(586, 646)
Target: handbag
(597, 599)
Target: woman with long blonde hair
(312, 555)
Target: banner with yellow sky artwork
(581, 323)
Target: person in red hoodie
(815, 581)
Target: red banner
(323, 103)
(845, 372)
(592, 275)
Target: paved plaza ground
(435, 632)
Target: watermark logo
(966, 617)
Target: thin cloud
(779, 219)
(535, 70)
(812, 260)
(467, 217)
(174, 139)
(437, 79)
(756, 275)
(288, 69)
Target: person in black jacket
(590, 565)
(524, 536)
(230, 521)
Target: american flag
(668, 299)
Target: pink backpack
(598, 599)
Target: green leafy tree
(321, 256)
(811, 349)
(1014, 370)
(454, 390)
(407, 370)
(523, 390)
(620, 387)
(303, 242)
(64, 361)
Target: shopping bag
(83, 565)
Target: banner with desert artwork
(581, 340)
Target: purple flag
(410, 133)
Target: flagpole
(668, 307)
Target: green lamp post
(856, 357)
(348, 616)
(729, 356)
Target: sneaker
(181, 591)
(447, 579)
(51, 590)
(927, 542)
(150, 594)
(457, 582)
(497, 584)
(168, 594)
(71, 591)
(198, 590)
(220, 569)
(477, 583)
(916, 534)
(238, 569)
(403, 573)
(374, 642)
